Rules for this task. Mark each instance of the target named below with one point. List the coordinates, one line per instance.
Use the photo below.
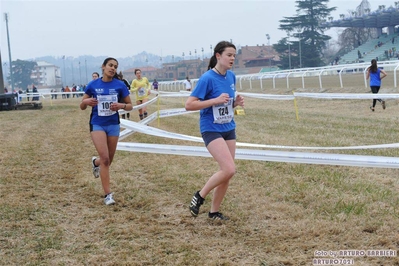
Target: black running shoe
(196, 203)
(217, 216)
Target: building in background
(249, 59)
(46, 75)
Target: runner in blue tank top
(376, 75)
(215, 95)
(106, 95)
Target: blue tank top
(97, 88)
(375, 79)
(209, 86)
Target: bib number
(223, 113)
(104, 104)
(141, 92)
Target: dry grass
(52, 213)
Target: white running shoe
(109, 199)
(96, 169)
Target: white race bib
(104, 104)
(141, 92)
(223, 113)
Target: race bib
(104, 104)
(223, 113)
(141, 92)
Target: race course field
(52, 211)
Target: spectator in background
(34, 90)
(19, 93)
(77, 90)
(67, 90)
(73, 90)
(187, 83)
(27, 93)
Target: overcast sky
(125, 28)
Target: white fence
(319, 72)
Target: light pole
(7, 73)
(183, 55)
(211, 51)
(195, 52)
(202, 50)
(1, 77)
(300, 52)
(268, 38)
(9, 53)
(289, 51)
(268, 44)
(63, 61)
(190, 55)
(80, 75)
(73, 77)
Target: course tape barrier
(145, 129)
(267, 96)
(268, 156)
(260, 155)
(321, 96)
(346, 95)
(246, 154)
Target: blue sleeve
(89, 89)
(201, 89)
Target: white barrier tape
(167, 92)
(271, 156)
(346, 95)
(364, 147)
(145, 104)
(49, 94)
(127, 132)
(174, 94)
(267, 96)
(174, 112)
(149, 119)
(139, 127)
(136, 107)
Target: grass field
(52, 213)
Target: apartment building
(46, 75)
